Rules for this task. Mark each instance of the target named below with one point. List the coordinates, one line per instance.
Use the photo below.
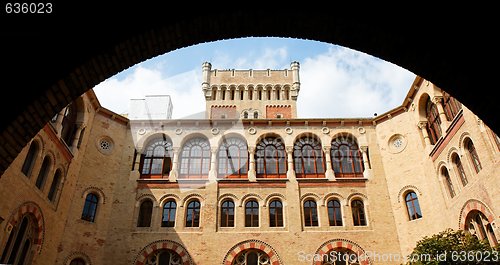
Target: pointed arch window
(451, 106)
(233, 158)
(358, 213)
(308, 158)
(334, 212)
(310, 213)
(472, 154)
(227, 214)
(347, 159)
(157, 159)
(459, 168)
(195, 159)
(20, 242)
(412, 206)
(145, 213)
(90, 207)
(54, 187)
(252, 213)
(193, 214)
(30, 159)
(270, 158)
(168, 216)
(433, 121)
(43, 173)
(448, 182)
(276, 213)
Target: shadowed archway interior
(52, 59)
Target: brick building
(252, 183)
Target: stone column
(366, 164)
(174, 173)
(74, 144)
(212, 175)
(290, 173)
(282, 92)
(422, 125)
(219, 93)
(252, 176)
(59, 119)
(329, 174)
(245, 93)
(442, 116)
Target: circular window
(397, 143)
(105, 145)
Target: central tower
(251, 94)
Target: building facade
(252, 183)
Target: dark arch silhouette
(52, 59)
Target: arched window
(30, 159)
(287, 94)
(77, 261)
(233, 158)
(19, 244)
(156, 161)
(346, 158)
(270, 158)
(245, 114)
(193, 214)
(459, 168)
(268, 97)
(471, 152)
(250, 94)
(260, 94)
(252, 213)
(195, 158)
(451, 106)
(310, 213)
(275, 213)
(448, 182)
(308, 158)
(214, 93)
(43, 173)
(232, 94)
(252, 257)
(341, 256)
(164, 257)
(334, 213)
(433, 121)
(477, 224)
(54, 186)
(145, 212)
(227, 214)
(358, 213)
(90, 207)
(413, 206)
(256, 115)
(169, 209)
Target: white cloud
(346, 83)
(184, 89)
(338, 83)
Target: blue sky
(335, 81)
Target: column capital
(364, 148)
(327, 148)
(422, 125)
(288, 149)
(251, 149)
(437, 99)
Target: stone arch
(226, 196)
(310, 195)
(471, 205)
(252, 244)
(163, 244)
(145, 140)
(450, 154)
(167, 197)
(144, 197)
(357, 195)
(35, 211)
(248, 196)
(192, 196)
(342, 243)
(333, 195)
(102, 198)
(422, 106)
(274, 196)
(407, 188)
(307, 134)
(233, 134)
(462, 138)
(77, 255)
(270, 134)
